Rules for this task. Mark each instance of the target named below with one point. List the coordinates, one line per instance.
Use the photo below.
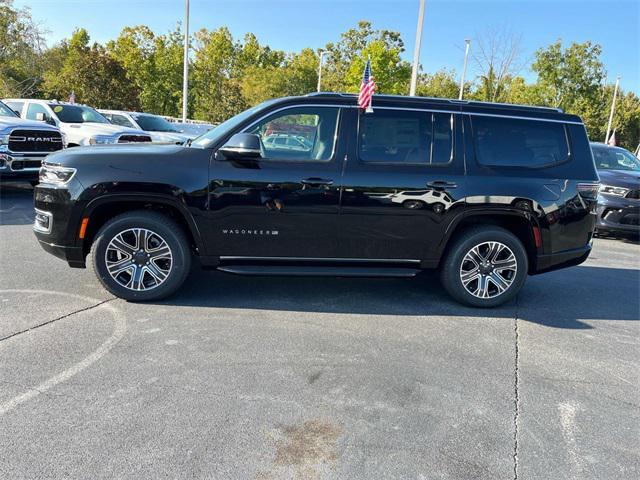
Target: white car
(81, 125)
(161, 130)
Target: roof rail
(439, 99)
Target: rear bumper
(564, 259)
(618, 214)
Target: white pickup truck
(82, 125)
(23, 146)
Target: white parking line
(120, 328)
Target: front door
(403, 183)
(286, 203)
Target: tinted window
(511, 142)
(119, 120)
(16, 106)
(34, 109)
(152, 123)
(77, 114)
(317, 127)
(401, 136)
(6, 111)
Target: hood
(105, 154)
(90, 129)
(620, 178)
(168, 137)
(7, 122)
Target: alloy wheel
(488, 269)
(138, 259)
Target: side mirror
(41, 117)
(242, 145)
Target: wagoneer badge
(247, 231)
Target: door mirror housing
(41, 117)
(242, 145)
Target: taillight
(589, 190)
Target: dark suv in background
(487, 193)
(619, 199)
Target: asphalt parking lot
(270, 378)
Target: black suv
(487, 193)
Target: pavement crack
(48, 322)
(516, 396)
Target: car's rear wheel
(485, 267)
(141, 256)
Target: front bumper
(618, 214)
(20, 166)
(72, 255)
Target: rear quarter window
(509, 142)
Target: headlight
(55, 174)
(65, 142)
(101, 139)
(611, 190)
(4, 139)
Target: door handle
(316, 181)
(441, 184)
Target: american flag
(367, 88)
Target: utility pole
(416, 51)
(185, 71)
(464, 68)
(322, 54)
(613, 107)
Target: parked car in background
(161, 130)
(82, 125)
(287, 142)
(619, 196)
(23, 145)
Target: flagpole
(322, 54)
(613, 107)
(416, 50)
(464, 68)
(185, 72)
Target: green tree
(21, 45)
(442, 84)
(347, 58)
(94, 76)
(154, 65)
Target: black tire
(450, 273)
(163, 228)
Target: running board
(319, 271)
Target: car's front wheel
(141, 255)
(485, 267)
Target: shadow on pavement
(562, 299)
(16, 204)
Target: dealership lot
(265, 378)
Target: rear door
(403, 183)
(286, 203)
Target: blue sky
(293, 24)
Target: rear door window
(406, 137)
(510, 142)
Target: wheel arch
(521, 224)
(102, 209)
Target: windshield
(614, 158)
(152, 123)
(6, 111)
(214, 135)
(77, 114)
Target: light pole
(416, 51)
(322, 54)
(613, 107)
(464, 68)
(185, 71)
